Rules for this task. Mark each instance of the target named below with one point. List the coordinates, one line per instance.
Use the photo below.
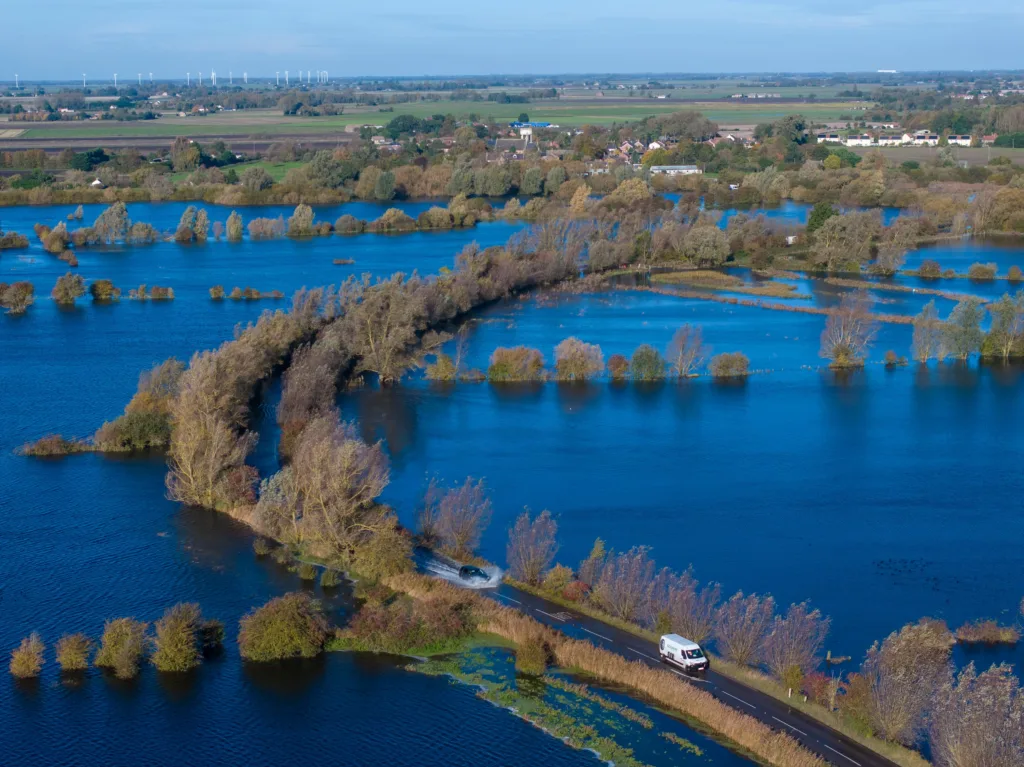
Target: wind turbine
(188, 79)
(140, 79)
(231, 77)
(213, 77)
(245, 77)
(115, 80)
(286, 78)
(200, 79)
(16, 86)
(83, 79)
(278, 77)
(150, 78)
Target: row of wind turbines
(321, 78)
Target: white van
(682, 652)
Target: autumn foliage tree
(531, 546)
(849, 331)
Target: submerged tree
(455, 518)
(686, 351)
(849, 331)
(578, 361)
(961, 333)
(1006, 338)
(927, 339)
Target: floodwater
(92, 538)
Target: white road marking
(745, 703)
(826, 745)
(794, 729)
(641, 653)
(602, 636)
(554, 617)
(510, 599)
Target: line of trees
(906, 689)
(960, 335)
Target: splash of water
(449, 571)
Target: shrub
(987, 632)
(393, 220)
(290, 626)
(349, 225)
(647, 364)
(532, 546)
(519, 363)
(556, 579)
(300, 223)
(618, 367)
(929, 270)
(982, 272)
(730, 365)
(211, 635)
(16, 297)
(176, 645)
(330, 579)
(892, 359)
(1014, 274)
(12, 241)
(532, 656)
(234, 227)
(159, 293)
(282, 555)
(68, 288)
(135, 430)
(53, 445)
(73, 652)
(104, 291)
(122, 647)
(431, 624)
(307, 571)
(27, 660)
(576, 591)
(266, 228)
(260, 547)
(578, 361)
(217, 292)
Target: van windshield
(694, 654)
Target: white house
(921, 138)
(655, 145)
(829, 138)
(862, 140)
(959, 140)
(675, 170)
(526, 132)
(890, 140)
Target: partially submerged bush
(307, 571)
(519, 363)
(12, 241)
(349, 225)
(73, 652)
(27, 659)
(929, 270)
(987, 632)
(981, 272)
(16, 297)
(177, 642)
(647, 364)
(618, 367)
(122, 647)
(68, 288)
(260, 547)
(730, 365)
(53, 445)
(393, 221)
(291, 626)
(578, 361)
(404, 625)
(330, 579)
(1014, 274)
(217, 292)
(104, 291)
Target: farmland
(566, 112)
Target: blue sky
(397, 37)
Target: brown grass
(711, 280)
(662, 687)
(894, 319)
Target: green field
(566, 112)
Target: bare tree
(624, 585)
(457, 517)
(895, 242)
(902, 676)
(961, 332)
(927, 339)
(741, 625)
(686, 351)
(531, 546)
(849, 331)
(795, 641)
(692, 608)
(977, 720)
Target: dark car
(473, 573)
